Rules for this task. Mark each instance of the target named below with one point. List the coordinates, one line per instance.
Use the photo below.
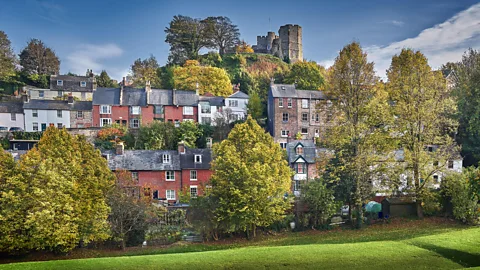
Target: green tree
(103, 80)
(222, 33)
(319, 200)
(145, 70)
(359, 135)
(463, 195)
(37, 58)
(423, 107)
(306, 75)
(156, 136)
(250, 179)
(7, 58)
(255, 107)
(189, 132)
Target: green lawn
(441, 247)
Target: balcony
(300, 176)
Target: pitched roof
(187, 160)
(160, 97)
(134, 97)
(166, 97)
(239, 94)
(71, 83)
(11, 107)
(309, 151)
(58, 105)
(213, 101)
(143, 160)
(289, 90)
(106, 96)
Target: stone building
(288, 43)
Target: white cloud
(444, 42)
(90, 56)
(394, 22)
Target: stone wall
(287, 44)
(89, 133)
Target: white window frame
(299, 152)
(108, 120)
(59, 93)
(306, 118)
(79, 114)
(59, 114)
(41, 94)
(169, 193)
(176, 123)
(289, 102)
(13, 117)
(232, 103)
(197, 159)
(60, 82)
(301, 131)
(196, 191)
(135, 177)
(83, 84)
(188, 110)
(34, 113)
(35, 126)
(193, 173)
(284, 133)
(283, 117)
(283, 145)
(105, 109)
(172, 173)
(134, 123)
(135, 110)
(304, 103)
(166, 158)
(280, 102)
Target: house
(39, 114)
(209, 108)
(237, 103)
(11, 115)
(173, 106)
(292, 112)
(195, 164)
(302, 158)
(81, 87)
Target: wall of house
(155, 180)
(117, 113)
(147, 114)
(83, 122)
(46, 117)
(176, 113)
(211, 115)
(241, 109)
(291, 125)
(52, 94)
(6, 120)
(203, 177)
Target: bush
(459, 188)
(431, 203)
(320, 201)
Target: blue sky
(111, 34)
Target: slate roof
(106, 96)
(11, 107)
(71, 83)
(289, 90)
(134, 97)
(213, 101)
(239, 94)
(187, 160)
(309, 151)
(143, 160)
(165, 97)
(58, 105)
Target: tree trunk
(124, 245)
(350, 216)
(419, 209)
(359, 222)
(254, 231)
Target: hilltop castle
(288, 43)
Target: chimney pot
(181, 147)
(120, 149)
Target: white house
(234, 107)
(11, 115)
(237, 102)
(208, 109)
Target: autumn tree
(255, 107)
(207, 79)
(423, 107)
(307, 75)
(37, 58)
(145, 70)
(359, 136)
(156, 136)
(222, 33)
(250, 179)
(103, 80)
(243, 47)
(7, 58)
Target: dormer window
(83, 84)
(198, 158)
(59, 82)
(166, 158)
(299, 150)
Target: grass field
(415, 245)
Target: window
(280, 102)
(59, 125)
(193, 175)
(170, 194)
(155, 194)
(105, 109)
(83, 84)
(105, 122)
(289, 103)
(80, 126)
(44, 126)
(297, 185)
(84, 96)
(206, 108)
(299, 150)
(430, 149)
(317, 133)
(187, 110)
(206, 120)
(305, 103)
(170, 175)
(13, 116)
(59, 94)
(317, 117)
(166, 158)
(34, 113)
(233, 117)
(233, 103)
(285, 117)
(79, 114)
(198, 159)
(59, 82)
(450, 164)
(193, 191)
(41, 94)
(158, 109)
(59, 113)
(304, 130)
(435, 178)
(134, 123)
(35, 126)
(177, 123)
(283, 145)
(285, 133)
(305, 117)
(135, 177)
(135, 110)
(300, 168)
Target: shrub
(462, 195)
(320, 201)
(431, 202)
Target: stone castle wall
(287, 44)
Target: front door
(44, 126)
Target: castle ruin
(288, 43)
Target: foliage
(431, 202)
(206, 131)
(207, 79)
(145, 70)
(112, 132)
(37, 58)
(423, 108)
(189, 132)
(165, 75)
(250, 179)
(103, 80)
(319, 200)
(306, 75)
(255, 107)
(464, 197)
(222, 33)
(7, 58)
(156, 136)
(243, 47)
(23, 135)
(212, 59)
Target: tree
(319, 200)
(207, 79)
(189, 132)
(103, 80)
(306, 75)
(222, 33)
(37, 58)
(463, 195)
(243, 47)
(156, 136)
(186, 36)
(466, 84)
(145, 70)
(422, 105)
(7, 58)
(255, 107)
(250, 179)
(359, 135)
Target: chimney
(25, 98)
(70, 98)
(174, 98)
(181, 147)
(196, 89)
(120, 150)
(121, 91)
(272, 81)
(209, 142)
(148, 90)
(94, 83)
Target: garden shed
(398, 207)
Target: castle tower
(291, 42)
(270, 38)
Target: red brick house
(173, 105)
